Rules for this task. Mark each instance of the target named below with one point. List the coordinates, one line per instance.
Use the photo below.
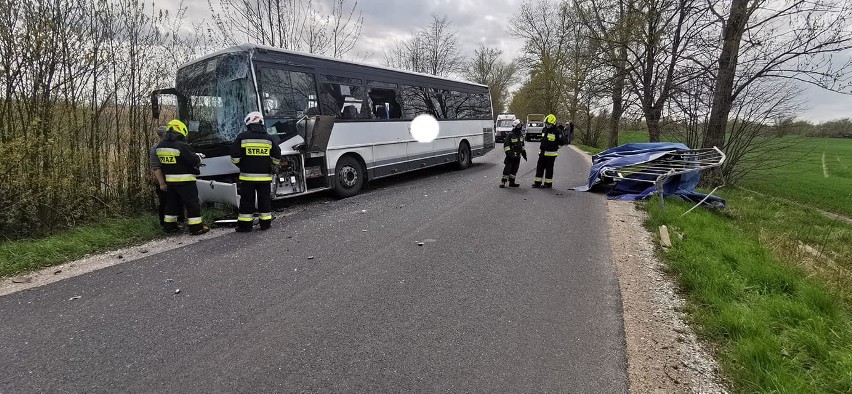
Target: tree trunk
(617, 97)
(722, 92)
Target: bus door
(288, 98)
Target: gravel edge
(663, 353)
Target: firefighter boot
(503, 182)
(198, 229)
(512, 182)
(244, 226)
(265, 224)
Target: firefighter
(551, 140)
(513, 145)
(179, 165)
(257, 155)
(160, 181)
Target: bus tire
(463, 156)
(349, 177)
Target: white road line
(824, 166)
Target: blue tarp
(682, 186)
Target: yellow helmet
(177, 126)
(550, 119)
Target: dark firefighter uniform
(255, 153)
(513, 146)
(179, 165)
(551, 140)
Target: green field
(769, 279)
(812, 171)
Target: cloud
(475, 22)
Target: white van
(503, 125)
(535, 125)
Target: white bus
(339, 123)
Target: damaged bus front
(338, 123)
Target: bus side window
(384, 104)
(344, 101)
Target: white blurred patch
(424, 128)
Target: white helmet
(516, 122)
(254, 118)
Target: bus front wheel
(349, 177)
(463, 156)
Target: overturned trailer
(640, 170)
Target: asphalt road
(513, 290)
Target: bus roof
(260, 49)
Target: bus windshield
(218, 93)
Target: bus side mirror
(155, 106)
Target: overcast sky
(485, 21)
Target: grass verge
(31, 254)
(779, 319)
(27, 255)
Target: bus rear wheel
(463, 156)
(349, 177)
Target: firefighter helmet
(550, 119)
(177, 126)
(254, 118)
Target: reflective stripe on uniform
(256, 177)
(191, 221)
(170, 218)
(180, 177)
(245, 217)
(548, 180)
(538, 180)
(255, 143)
(507, 148)
(515, 140)
(235, 160)
(551, 137)
(276, 161)
(546, 153)
(168, 152)
(266, 216)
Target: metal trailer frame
(659, 170)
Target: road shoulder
(663, 353)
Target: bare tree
(487, 68)
(668, 29)
(609, 23)
(325, 28)
(432, 50)
(75, 79)
(768, 39)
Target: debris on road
(310, 257)
(75, 298)
(170, 280)
(177, 291)
(420, 244)
(57, 272)
(22, 279)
